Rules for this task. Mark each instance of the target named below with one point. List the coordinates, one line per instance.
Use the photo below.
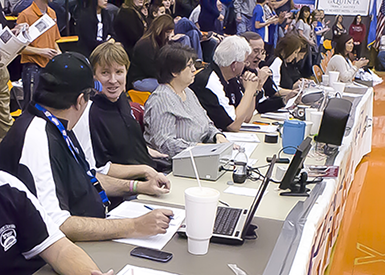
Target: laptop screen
(258, 197)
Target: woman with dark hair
(358, 31)
(304, 27)
(142, 73)
(340, 61)
(130, 24)
(174, 119)
(338, 29)
(286, 52)
(94, 26)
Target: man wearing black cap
(41, 150)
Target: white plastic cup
(201, 208)
(333, 77)
(280, 172)
(308, 112)
(339, 87)
(325, 80)
(316, 118)
(309, 125)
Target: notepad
(135, 270)
(130, 209)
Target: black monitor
(290, 179)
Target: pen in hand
(150, 208)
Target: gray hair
(231, 49)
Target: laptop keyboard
(226, 220)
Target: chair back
(138, 96)
(317, 73)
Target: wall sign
(344, 7)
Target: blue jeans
(381, 59)
(244, 25)
(146, 85)
(185, 26)
(30, 77)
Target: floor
(360, 246)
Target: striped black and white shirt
(25, 228)
(172, 125)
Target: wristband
(135, 186)
(131, 185)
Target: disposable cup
(316, 118)
(309, 125)
(308, 112)
(280, 172)
(325, 79)
(333, 77)
(201, 207)
(339, 87)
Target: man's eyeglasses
(259, 51)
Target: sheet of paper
(276, 116)
(249, 148)
(241, 137)
(243, 191)
(130, 209)
(136, 270)
(250, 127)
(40, 26)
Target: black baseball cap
(69, 72)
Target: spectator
(174, 120)
(320, 29)
(264, 22)
(183, 8)
(46, 156)
(28, 232)
(209, 15)
(94, 26)
(244, 11)
(338, 29)
(142, 73)
(358, 31)
(212, 86)
(156, 9)
(340, 61)
(36, 56)
(381, 54)
(130, 24)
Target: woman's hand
(221, 138)
(361, 62)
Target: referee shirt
(25, 228)
(35, 151)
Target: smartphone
(151, 254)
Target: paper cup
(309, 125)
(316, 118)
(339, 87)
(201, 208)
(308, 112)
(325, 80)
(333, 77)
(280, 172)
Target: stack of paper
(130, 209)
(135, 270)
(241, 137)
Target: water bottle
(240, 166)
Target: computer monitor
(289, 181)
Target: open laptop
(233, 225)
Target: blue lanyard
(94, 181)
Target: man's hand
(153, 223)
(250, 82)
(19, 27)
(48, 53)
(155, 186)
(239, 18)
(221, 17)
(263, 74)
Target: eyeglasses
(259, 51)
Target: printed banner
(344, 7)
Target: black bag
(229, 23)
